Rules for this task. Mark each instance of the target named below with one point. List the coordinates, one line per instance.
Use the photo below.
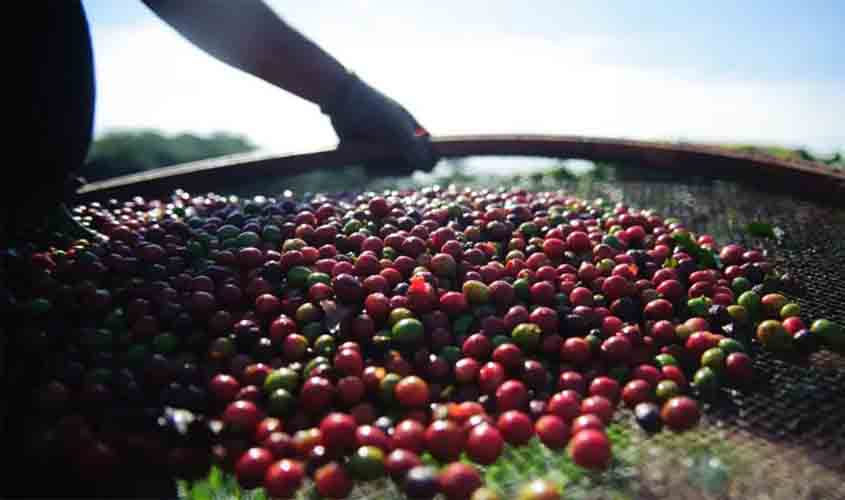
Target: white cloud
(149, 77)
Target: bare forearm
(248, 35)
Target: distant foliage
(836, 160)
(125, 152)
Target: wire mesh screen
(781, 438)
(785, 436)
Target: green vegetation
(837, 160)
(126, 152)
(516, 466)
(449, 171)
(706, 465)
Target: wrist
(340, 94)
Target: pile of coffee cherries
(345, 337)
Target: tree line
(128, 151)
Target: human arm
(249, 36)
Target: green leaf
(685, 241)
(709, 258)
(560, 174)
(705, 256)
(671, 263)
(215, 478)
(761, 229)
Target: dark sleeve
(61, 117)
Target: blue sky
(753, 71)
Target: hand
(362, 113)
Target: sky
(753, 71)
